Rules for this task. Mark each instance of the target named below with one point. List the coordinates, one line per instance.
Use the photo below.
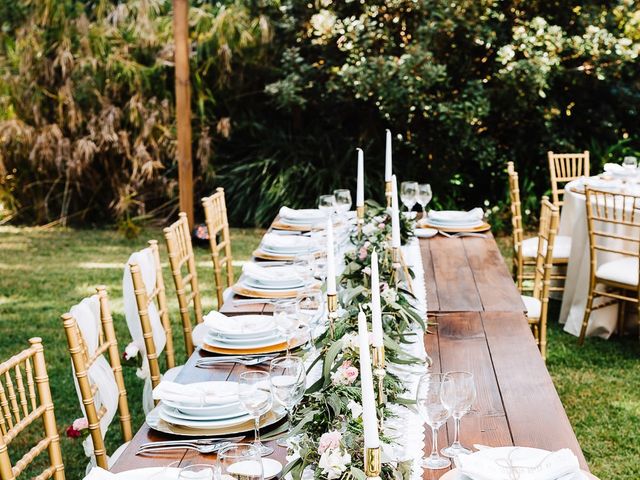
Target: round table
(573, 222)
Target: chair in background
(537, 304)
(99, 382)
(23, 401)
(563, 168)
(525, 249)
(215, 212)
(613, 222)
(181, 257)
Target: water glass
(285, 316)
(458, 395)
(197, 472)
(288, 383)
(630, 162)
(434, 413)
(343, 200)
(409, 194)
(424, 195)
(327, 204)
(255, 395)
(240, 461)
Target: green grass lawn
(44, 272)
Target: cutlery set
(246, 360)
(201, 445)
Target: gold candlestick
(399, 269)
(387, 192)
(380, 372)
(360, 219)
(372, 463)
(332, 309)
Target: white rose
(369, 229)
(355, 407)
(333, 463)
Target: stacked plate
(284, 247)
(302, 218)
(243, 333)
(454, 220)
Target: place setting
(454, 223)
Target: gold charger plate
(272, 256)
(454, 475)
(155, 422)
(480, 228)
(291, 228)
(278, 347)
(250, 292)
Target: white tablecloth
(573, 222)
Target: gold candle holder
(399, 269)
(332, 309)
(360, 219)
(387, 193)
(380, 372)
(372, 463)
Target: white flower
(350, 342)
(322, 22)
(390, 295)
(369, 228)
(355, 407)
(131, 351)
(333, 463)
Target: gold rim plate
(454, 475)
(480, 228)
(278, 347)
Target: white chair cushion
(561, 247)
(532, 305)
(623, 271)
(199, 332)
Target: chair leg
(587, 314)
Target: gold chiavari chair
(23, 401)
(83, 359)
(537, 305)
(525, 249)
(613, 221)
(143, 302)
(215, 212)
(563, 168)
(180, 250)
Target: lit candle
(369, 416)
(387, 159)
(395, 216)
(360, 188)
(331, 264)
(376, 313)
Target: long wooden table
(479, 326)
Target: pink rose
(381, 225)
(80, 424)
(346, 374)
(329, 440)
(350, 374)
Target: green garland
(328, 425)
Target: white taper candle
(331, 264)
(395, 214)
(376, 311)
(360, 185)
(388, 171)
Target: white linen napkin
(241, 324)
(270, 274)
(196, 394)
(615, 169)
(297, 242)
(311, 214)
(473, 215)
(529, 463)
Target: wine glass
(240, 461)
(434, 413)
(343, 200)
(196, 472)
(424, 195)
(458, 395)
(309, 310)
(327, 204)
(288, 383)
(630, 163)
(255, 395)
(408, 194)
(303, 265)
(284, 314)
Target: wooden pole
(183, 106)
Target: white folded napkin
(311, 214)
(475, 214)
(297, 242)
(526, 463)
(241, 324)
(613, 168)
(196, 394)
(270, 274)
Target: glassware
(458, 395)
(196, 472)
(284, 314)
(240, 461)
(630, 162)
(343, 200)
(408, 194)
(255, 395)
(327, 204)
(303, 265)
(434, 413)
(288, 383)
(424, 195)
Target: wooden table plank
(536, 415)
(429, 275)
(497, 290)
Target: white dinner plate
(455, 223)
(149, 473)
(205, 410)
(246, 342)
(283, 285)
(456, 475)
(243, 326)
(244, 345)
(247, 469)
(243, 284)
(167, 414)
(236, 412)
(426, 232)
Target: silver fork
(214, 447)
(248, 361)
(192, 441)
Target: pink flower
(80, 424)
(346, 374)
(381, 225)
(329, 440)
(362, 253)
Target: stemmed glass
(458, 395)
(240, 461)
(303, 265)
(288, 382)
(327, 204)
(630, 163)
(343, 200)
(309, 309)
(424, 195)
(408, 194)
(196, 472)
(255, 395)
(435, 413)
(284, 314)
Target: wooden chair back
(516, 207)
(83, 359)
(563, 168)
(143, 300)
(215, 212)
(25, 397)
(181, 257)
